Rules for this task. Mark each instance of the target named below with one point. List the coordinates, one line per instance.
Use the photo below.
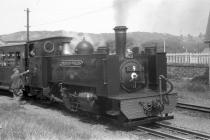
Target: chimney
(120, 41)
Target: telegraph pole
(27, 26)
(27, 42)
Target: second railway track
(194, 107)
(162, 131)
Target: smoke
(184, 17)
(122, 8)
(166, 16)
(96, 41)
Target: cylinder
(120, 41)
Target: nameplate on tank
(71, 63)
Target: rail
(172, 132)
(188, 58)
(193, 107)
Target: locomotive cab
(39, 54)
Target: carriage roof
(42, 39)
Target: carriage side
(11, 55)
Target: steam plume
(122, 8)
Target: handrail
(160, 87)
(104, 71)
(168, 81)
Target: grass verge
(19, 125)
(29, 122)
(192, 90)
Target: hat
(16, 68)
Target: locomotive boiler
(131, 89)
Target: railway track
(162, 131)
(193, 107)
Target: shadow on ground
(58, 106)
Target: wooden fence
(188, 58)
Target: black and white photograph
(105, 70)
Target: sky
(99, 16)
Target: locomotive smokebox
(120, 41)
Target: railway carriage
(131, 89)
(10, 56)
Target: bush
(197, 87)
(190, 85)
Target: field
(191, 84)
(35, 122)
(192, 92)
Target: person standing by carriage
(17, 83)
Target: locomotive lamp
(120, 41)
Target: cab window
(31, 50)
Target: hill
(141, 39)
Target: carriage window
(66, 48)
(17, 58)
(2, 63)
(10, 59)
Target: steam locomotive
(129, 89)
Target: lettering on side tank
(71, 63)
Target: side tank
(87, 72)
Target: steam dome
(84, 47)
